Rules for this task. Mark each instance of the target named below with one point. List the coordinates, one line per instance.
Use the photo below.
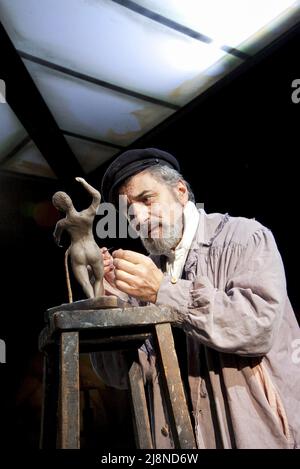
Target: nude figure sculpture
(84, 253)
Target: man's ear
(182, 192)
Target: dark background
(237, 146)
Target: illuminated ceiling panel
(89, 154)
(232, 23)
(93, 111)
(29, 161)
(107, 41)
(111, 70)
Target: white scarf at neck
(174, 266)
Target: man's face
(155, 211)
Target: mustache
(146, 229)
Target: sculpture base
(101, 302)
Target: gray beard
(164, 246)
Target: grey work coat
(242, 338)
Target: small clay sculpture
(84, 253)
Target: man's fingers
(131, 256)
(108, 261)
(108, 269)
(107, 257)
(126, 277)
(122, 264)
(104, 252)
(124, 287)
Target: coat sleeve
(244, 317)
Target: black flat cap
(132, 162)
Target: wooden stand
(107, 323)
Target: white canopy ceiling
(111, 70)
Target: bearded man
(225, 281)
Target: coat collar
(209, 227)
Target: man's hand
(137, 275)
(109, 276)
(109, 269)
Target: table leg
(180, 421)
(69, 428)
